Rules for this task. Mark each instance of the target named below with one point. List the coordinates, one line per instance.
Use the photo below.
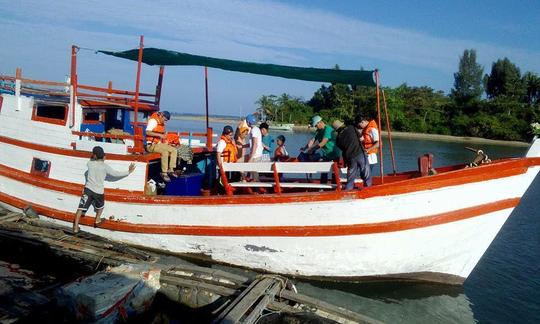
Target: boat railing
(115, 96)
(104, 95)
(18, 85)
(277, 169)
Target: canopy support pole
(389, 133)
(206, 93)
(158, 86)
(73, 79)
(208, 129)
(137, 131)
(381, 166)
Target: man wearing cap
(353, 153)
(156, 142)
(93, 191)
(324, 140)
(369, 136)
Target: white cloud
(38, 34)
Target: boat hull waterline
(435, 235)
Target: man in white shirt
(255, 141)
(255, 138)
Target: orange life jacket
(160, 129)
(230, 153)
(173, 138)
(368, 140)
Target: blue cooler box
(185, 185)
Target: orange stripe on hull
(492, 171)
(283, 231)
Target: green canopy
(156, 56)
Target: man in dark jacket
(353, 153)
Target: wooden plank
(304, 167)
(190, 283)
(234, 312)
(221, 276)
(269, 296)
(306, 185)
(261, 167)
(251, 184)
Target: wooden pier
(213, 295)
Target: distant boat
(281, 127)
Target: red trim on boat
(492, 171)
(280, 231)
(74, 153)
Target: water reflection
(396, 302)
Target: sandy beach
(435, 137)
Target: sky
(414, 42)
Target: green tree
(504, 80)
(468, 83)
(532, 86)
(267, 106)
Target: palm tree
(267, 106)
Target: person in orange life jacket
(227, 151)
(226, 147)
(369, 137)
(281, 154)
(155, 142)
(93, 191)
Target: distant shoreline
(435, 137)
(203, 118)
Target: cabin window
(50, 113)
(40, 167)
(92, 117)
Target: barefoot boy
(94, 186)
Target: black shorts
(91, 198)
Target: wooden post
(209, 133)
(336, 175)
(389, 134)
(136, 105)
(18, 85)
(381, 166)
(277, 186)
(73, 79)
(206, 94)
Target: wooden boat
(406, 226)
(281, 127)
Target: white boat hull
(421, 235)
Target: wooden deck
(215, 295)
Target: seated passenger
(281, 154)
(155, 142)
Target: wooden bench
(260, 167)
(277, 168)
